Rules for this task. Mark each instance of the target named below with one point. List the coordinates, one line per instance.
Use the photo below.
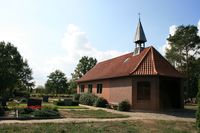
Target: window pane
(99, 88)
(90, 88)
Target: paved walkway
(133, 116)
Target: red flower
(35, 107)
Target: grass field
(21, 105)
(140, 126)
(90, 114)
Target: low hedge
(66, 102)
(45, 113)
(101, 102)
(88, 99)
(124, 106)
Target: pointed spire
(139, 35)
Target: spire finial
(139, 15)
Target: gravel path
(133, 116)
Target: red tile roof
(148, 62)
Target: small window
(90, 88)
(82, 87)
(99, 88)
(143, 90)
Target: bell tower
(139, 39)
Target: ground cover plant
(139, 126)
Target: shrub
(2, 111)
(87, 99)
(59, 103)
(46, 113)
(76, 97)
(25, 110)
(101, 102)
(198, 109)
(75, 103)
(124, 106)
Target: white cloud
(75, 44)
(172, 29)
(72, 47)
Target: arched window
(143, 90)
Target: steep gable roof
(148, 62)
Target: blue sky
(55, 34)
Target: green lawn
(90, 114)
(21, 105)
(145, 126)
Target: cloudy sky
(55, 34)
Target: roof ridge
(140, 61)
(153, 59)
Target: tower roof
(139, 35)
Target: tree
(184, 46)
(57, 83)
(84, 65)
(15, 72)
(40, 89)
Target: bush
(87, 99)
(25, 110)
(124, 106)
(75, 103)
(101, 102)
(76, 97)
(2, 111)
(46, 113)
(59, 103)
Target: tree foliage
(183, 53)
(15, 72)
(84, 65)
(56, 83)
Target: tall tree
(14, 70)
(84, 65)
(57, 83)
(184, 45)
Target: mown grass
(90, 114)
(23, 105)
(140, 126)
